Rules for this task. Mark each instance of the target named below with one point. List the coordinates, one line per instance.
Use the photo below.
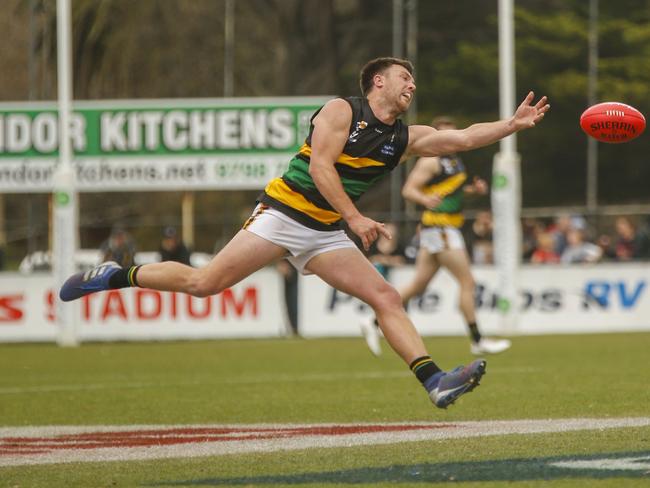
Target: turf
(335, 380)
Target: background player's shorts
(438, 239)
(302, 242)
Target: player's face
(400, 86)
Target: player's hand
(368, 230)
(527, 114)
(478, 187)
(431, 201)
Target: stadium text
(145, 305)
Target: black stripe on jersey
(361, 174)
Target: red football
(612, 122)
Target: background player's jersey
(372, 150)
(448, 184)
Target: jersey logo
(354, 137)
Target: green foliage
(155, 48)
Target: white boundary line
(290, 437)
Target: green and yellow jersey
(372, 150)
(448, 184)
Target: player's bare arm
(424, 170)
(331, 130)
(427, 141)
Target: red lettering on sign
(85, 307)
(50, 306)
(174, 299)
(151, 297)
(249, 298)
(10, 307)
(114, 305)
(202, 313)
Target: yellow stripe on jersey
(358, 162)
(279, 190)
(435, 219)
(447, 186)
(351, 161)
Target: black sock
(424, 368)
(473, 331)
(124, 278)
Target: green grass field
(336, 381)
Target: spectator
(606, 245)
(579, 251)
(172, 247)
(558, 231)
(531, 228)
(119, 247)
(290, 282)
(545, 250)
(629, 244)
(479, 239)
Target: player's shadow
(601, 466)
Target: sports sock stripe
(419, 362)
(131, 275)
(424, 368)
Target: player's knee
(387, 297)
(202, 285)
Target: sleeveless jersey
(449, 185)
(372, 150)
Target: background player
(438, 184)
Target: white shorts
(302, 242)
(438, 239)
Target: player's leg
(458, 263)
(350, 272)
(243, 255)
(426, 267)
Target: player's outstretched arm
(427, 141)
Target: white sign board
(552, 300)
(252, 308)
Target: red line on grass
(177, 436)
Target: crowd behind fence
(567, 239)
(562, 239)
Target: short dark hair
(378, 65)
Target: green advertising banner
(190, 144)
